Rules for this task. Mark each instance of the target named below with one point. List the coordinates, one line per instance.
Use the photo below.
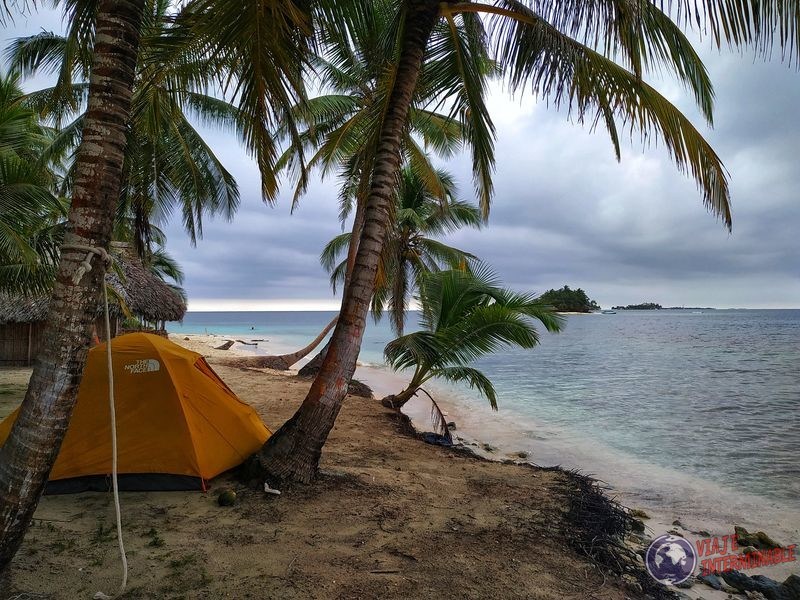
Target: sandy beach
(389, 517)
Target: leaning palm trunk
(294, 451)
(315, 364)
(34, 442)
(397, 401)
(292, 358)
(281, 362)
(312, 367)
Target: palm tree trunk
(312, 367)
(315, 364)
(294, 451)
(397, 401)
(292, 358)
(34, 442)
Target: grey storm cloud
(564, 212)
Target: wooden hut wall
(19, 343)
(16, 337)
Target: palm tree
(258, 49)
(29, 452)
(29, 210)
(464, 317)
(168, 165)
(562, 51)
(410, 250)
(32, 219)
(340, 126)
(420, 211)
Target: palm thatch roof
(141, 292)
(17, 309)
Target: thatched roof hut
(14, 309)
(137, 291)
(145, 295)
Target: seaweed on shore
(598, 526)
(595, 524)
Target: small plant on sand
(178, 564)
(156, 541)
(465, 315)
(189, 578)
(62, 545)
(103, 534)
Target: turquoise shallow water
(653, 401)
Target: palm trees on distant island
(569, 300)
(642, 306)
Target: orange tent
(178, 424)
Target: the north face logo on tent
(178, 424)
(145, 365)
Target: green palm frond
(488, 329)
(164, 266)
(425, 206)
(641, 34)
(413, 349)
(444, 136)
(28, 206)
(43, 52)
(334, 250)
(472, 377)
(465, 316)
(534, 307)
(275, 37)
(168, 165)
(457, 73)
(743, 23)
(536, 54)
(340, 135)
(436, 254)
(400, 286)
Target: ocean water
(692, 413)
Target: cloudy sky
(565, 211)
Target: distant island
(654, 306)
(568, 300)
(642, 306)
